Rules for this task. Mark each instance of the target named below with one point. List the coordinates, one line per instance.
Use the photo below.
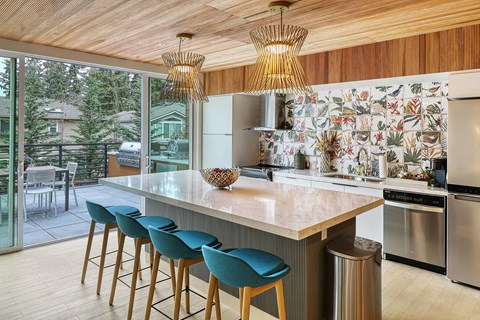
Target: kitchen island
(292, 222)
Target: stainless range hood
(272, 113)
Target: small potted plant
(325, 146)
(28, 161)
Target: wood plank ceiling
(141, 30)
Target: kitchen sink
(354, 177)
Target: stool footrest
(147, 285)
(171, 296)
(110, 265)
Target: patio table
(58, 171)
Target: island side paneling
(305, 286)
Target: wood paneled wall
(444, 51)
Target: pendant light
(183, 83)
(278, 69)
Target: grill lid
(130, 147)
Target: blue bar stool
(137, 228)
(186, 247)
(252, 271)
(104, 215)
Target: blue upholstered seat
(181, 244)
(137, 227)
(106, 214)
(186, 247)
(244, 267)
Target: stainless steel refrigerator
(463, 222)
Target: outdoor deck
(41, 227)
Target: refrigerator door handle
(412, 206)
(466, 198)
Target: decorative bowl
(220, 177)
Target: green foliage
(391, 156)
(5, 78)
(416, 88)
(35, 126)
(434, 108)
(395, 139)
(412, 155)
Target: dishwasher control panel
(408, 197)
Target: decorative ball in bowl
(220, 177)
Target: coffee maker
(439, 165)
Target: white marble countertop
(389, 183)
(291, 211)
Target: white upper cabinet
(464, 85)
(217, 115)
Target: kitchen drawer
(328, 186)
(292, 181)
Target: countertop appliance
(439, 165)
(414, 229)
(463, 233)
(129, 154)
(261, 171)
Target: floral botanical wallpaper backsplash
(406, 122)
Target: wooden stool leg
(118, 236)
(106, 231)
(153, 280)
(240, 297)
(133, 286)
(172, 277)
(280, 300)
(139, 262)
(117, 267)
(87, 251)
(178, 291)
(211, 292)
(187, 289)
(152, 253)
(217, 302)
(247, 294)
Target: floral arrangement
(326, 141)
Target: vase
(323, 162)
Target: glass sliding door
(169, 131)
(9, 223)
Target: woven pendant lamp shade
(278, 69)
(183, 83)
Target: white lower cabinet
(369, 224)
(293, 181)
(328, 186)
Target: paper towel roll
(382, 166)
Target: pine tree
(93, 124)
(36, 127)
(5, 78)
(55, 80)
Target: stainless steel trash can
(354, 279)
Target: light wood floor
(44, 283)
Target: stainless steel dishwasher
(414, 229)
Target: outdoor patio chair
(72, 169)
(40, 182)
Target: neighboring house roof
(124, 116)
(60, 110)
(159, 112)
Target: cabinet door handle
(343, 185)
(412, 206)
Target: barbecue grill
(129, 154)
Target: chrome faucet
(365, 171)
